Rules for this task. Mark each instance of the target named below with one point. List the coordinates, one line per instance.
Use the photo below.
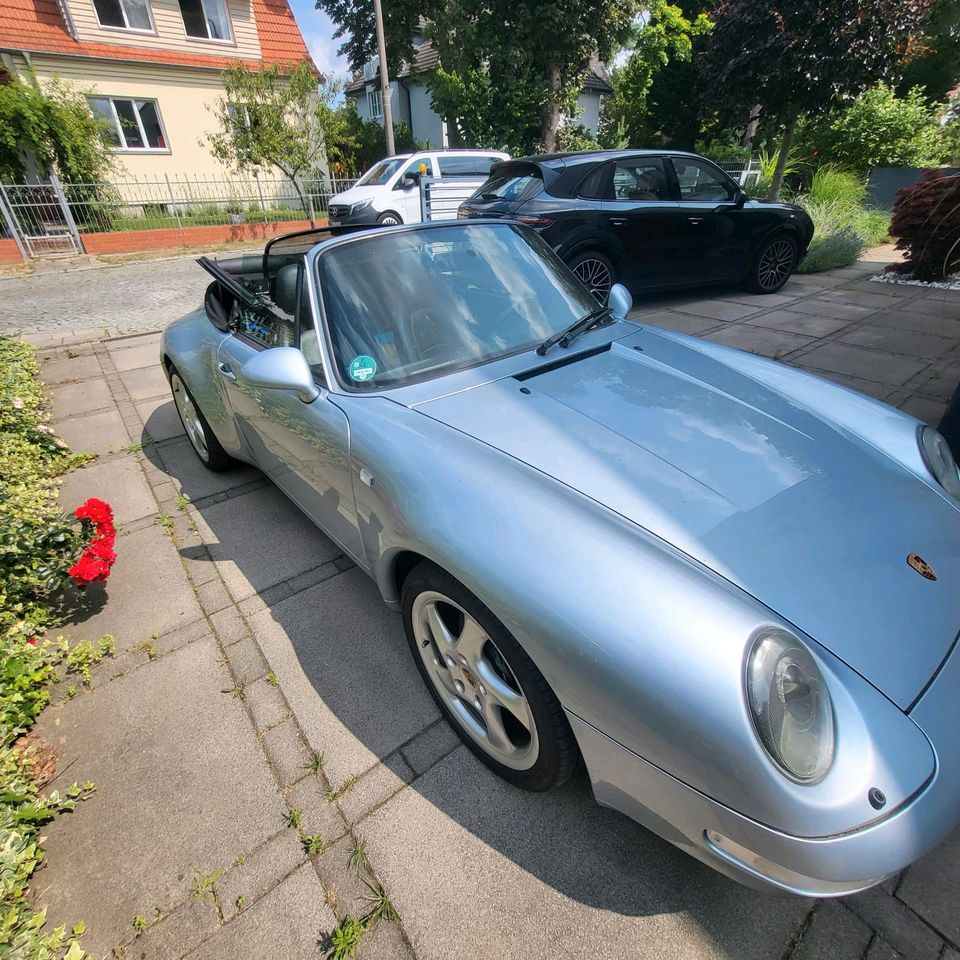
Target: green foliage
(768, 170)
(56, 127)
(37, 542)
(355, 23)
(935, 61)
(831, 184)
(575, 136)
(313, 844)
(345, 940)
(666, 34)
(36, 545)
(205, 885)
(835, 248)
(269, 118)
(363, 143)
(84, 655)
(880, 129)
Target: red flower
(89, 568)
(32, 641)
(95, 510)
(102, 549)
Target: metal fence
(441, 199)
(745, 172)
(47, 219)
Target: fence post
(424, 199)
(263, 206)
(173, 203)
(67, 215)
(7, 209)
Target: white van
(388, 193)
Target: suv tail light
(534, 221)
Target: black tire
(557, 754)
(773, 264)
(389, 219)
(596, 270)
(209, 452)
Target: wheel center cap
(468, 676)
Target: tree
(52, 129)
(879, 129)
(935, 65)
(665, 34)
(364, 143)
(355, 22)
(272, 119)
(797, 56)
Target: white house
(412, 103)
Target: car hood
(355, 194)
(814, 522)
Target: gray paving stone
(931, 887)
(896, 924)
(247, 661)
(894, 340)
(179, 462)
(287, 752)
(430, 746)
(230, 626)
(147, 382)
(680, 322)
(938, 303)
(99, 433)
(793, 322)
(319, 814)
(881, 950)
(258, 871)
(855, 361)
(72, 368)
(160, 419)
(133, 354)
(341, 880)
(765, 301)
(375, 786)
(930, 411)
(285, 925)
(860, 298)
(907, 319)
(180, 930)
(213, 596)
(598, 885)
(147, 591)
(944, 380)
(266, 704)
(837, 311)
(717, 309)
(767, 343)
(834, 933)
(169, 802)
(345, 668)
(119, 482)
(260, 539)
(878, 391)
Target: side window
(307, 334)
(640, 178)
(417, 166)
(475, 166)
(597, 184)
(263, 326)
(699, 181)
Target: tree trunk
(752, 125)
(306, 207)
(785, 143)
(551, 116)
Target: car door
(302, 447)
(642, 216)
(716, 228)
(407, 195)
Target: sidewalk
(247, 646)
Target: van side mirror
(410, 180)
(620, 301)
(281, 368)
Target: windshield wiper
(566, 337)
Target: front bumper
(364, 217)
(767, 859)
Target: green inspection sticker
(362, 368)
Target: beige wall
(183, 95)
(170, 34)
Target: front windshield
(380, 172)
(411, 305)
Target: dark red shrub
(926, 223)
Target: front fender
(637, 639)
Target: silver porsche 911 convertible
(731, 588)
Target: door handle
(224, 368)
(695, 220)
(618, 221)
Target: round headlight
(939, 460)
(791, 707)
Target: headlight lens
(939, 460)
(361, 205)
(790, 705)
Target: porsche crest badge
(921, 566)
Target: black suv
(647, 218)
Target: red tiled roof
(38, 26)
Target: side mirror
(281, 368)
(410, 180)
(620, 301)
(739, 197)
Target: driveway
(261, 693)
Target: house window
(206, 20)
(124, 14)
(131, 124)
(375, 104)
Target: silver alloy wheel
(190, 417)
(472, 676)
(596, 275)
(775, 264)
(389, 221)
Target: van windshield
(381, 172)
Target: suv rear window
(509, 187)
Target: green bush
(37, 544)
(839, 248)
(830, 183)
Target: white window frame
(222, 41)
(118, 126)
(150, 31)
(375, 104)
